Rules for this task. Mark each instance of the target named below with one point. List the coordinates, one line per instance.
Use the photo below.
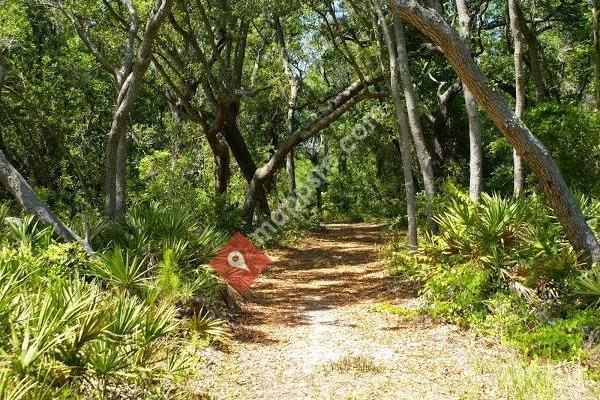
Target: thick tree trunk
(517, 35)
(403, 131)
(596, 34)
(475, 142)
(115, 157)
(129, 84)
(414, 121)
(529, 147)
(242, 155)
(219, 148)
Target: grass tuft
(355, 364)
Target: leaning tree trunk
(529, 147)
(596, 30)
(519, 86)
(475, 143)
(18, 187)
(242, 156)
(403, 130)
(343, 102)
(410, 97)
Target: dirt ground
(309, 330)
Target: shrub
(504, 266)
(564, 337)
(108, 326)
(457, 292)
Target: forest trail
(310, 330)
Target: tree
(343, 102)
(414, 119)
(205, 58)
(475, 145)
(533, 45)
(402, 128)
(596, 34)
(527, 145)
(128, 81)
(515, 28)
(294, 83)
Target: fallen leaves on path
(309, 331)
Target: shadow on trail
(334, 268)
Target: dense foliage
(122, 324)
(139, 135)
(503, 266)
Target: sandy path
(308, 331)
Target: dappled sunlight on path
(308, 330)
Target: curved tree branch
(527, 145)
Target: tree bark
(596, 34)
(242, 155)
(402, 129)
(129, 81)
(517, 35)
(121, 176)
(475, 142)
(529, 147)
(535, 65)
(221, 157)
(18, 187)
(342, 103)
(439, 123)
(292, 100)
(414, 121)
(290, 167)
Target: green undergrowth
(400, 311)
(124, 323)
(504, 267)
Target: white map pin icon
(236, 260)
